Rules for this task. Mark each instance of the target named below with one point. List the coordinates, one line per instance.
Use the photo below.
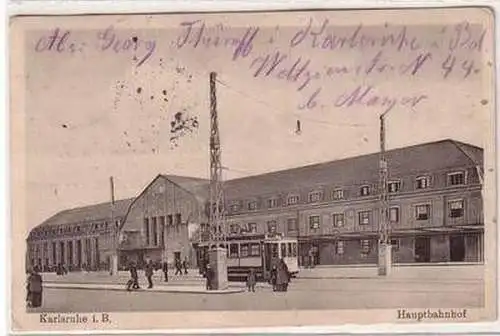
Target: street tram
(260, 252)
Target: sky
(99, 101)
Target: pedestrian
(209, 277)
(273, 277)
(165, 270)
(185, 265)
(178, 267)
(251, 280)
(282, 276)
(311, 258)
(34, 288)
(133, 283)
(149, 273)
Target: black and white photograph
(270, 168)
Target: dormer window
(394, 186)
(364, 190)
(423, 182)
(338, 194)
(252, 205)
(457, 178)
(235, 207)
(292, 200)
(272, 203)
(315, 196)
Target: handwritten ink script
(108, 40)
(328, 66)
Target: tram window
(289, 251)
(294, 249)
(283, 250)
(255, 250)
(274, 251)
(233, 251)
(244, 250)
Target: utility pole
(384, 243)
(114, 232)
(217, 253)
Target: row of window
(248, 250)
(155, 226)
(365, 246)
(421, 182)
(422, 212)
(72, 229)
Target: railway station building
(332, 208)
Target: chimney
(112, 185)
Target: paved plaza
(318, 288)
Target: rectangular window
(252, 227)
(315, 196)
(162, 230)
(155, 230)
(252, 205)
(314, 222)
(365, 246)
(456, 208)
(235, 207)
(338, 194)
(271, 226)
(291, 224)
(255, 249)
(338, 220)
(244, 250)
(394, 214)
(294, 249)
(364, 218)
(422, 212)
(395, 244)
(283, 250)
(394, 186)
(364, 190)
(233, 251)
(292, 200)
(234, 228)
(146, 230)
(423, 182)
(339, 247)
(456, 178)
(272, 203)
(178, 219)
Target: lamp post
(384, 243)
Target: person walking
(178, 267)
(34, 288)
(133, 283)
(149, 273)
(185, 265)
(165, 270)
(282, 276)
(273, 277)
(251, 280)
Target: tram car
(260, 252)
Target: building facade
(435, 213)
(435, 206)
(79, 239)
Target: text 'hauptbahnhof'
(331, 209)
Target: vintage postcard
(253, 169)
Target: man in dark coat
(209, 276)
(178, 267)
(251, 280)
(149, 273)
(165, 270)
(282, 276)
(185, 265)
(134, 282)
(34, 288)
